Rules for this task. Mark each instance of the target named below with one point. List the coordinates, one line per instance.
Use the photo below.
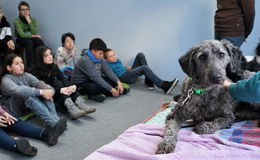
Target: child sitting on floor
(22, 145)
(67, 55)
(65, 92)
(130, 74)
(92, 75)
(20, 86)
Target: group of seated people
(43, 80)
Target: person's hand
(65, 91)
(226, 84)
(128, 67)
(3, 122)
(28, 18)
(47, 94)
(114, 92)
(37, 36)
(120, 87)
(11, 45)
(9, 118)
(73, 88)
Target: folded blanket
(140, 143)
(242, 132)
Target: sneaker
(98, 98)
(126, 90)
(150, 86)
(168, 86)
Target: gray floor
(89, 133)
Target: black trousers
(91, 88)
(30, 44)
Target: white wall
(162, 29)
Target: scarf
(22, 18)
(4, 23)
(92, 57)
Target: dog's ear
(187, 63)
(238, 61)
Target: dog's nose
(216, 78)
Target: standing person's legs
(235, 40)
(40, 109)
(28, 44)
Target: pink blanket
(140, 143)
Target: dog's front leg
(209, 127)
(170, 136)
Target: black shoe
(168, 86)
(98, 98)
(51, 135)
(23, 146)
(126, 90)
(149, 84)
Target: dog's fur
(209, 64)
(254, 65)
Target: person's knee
(140, 54)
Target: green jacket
(23, 30)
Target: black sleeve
(61, 77)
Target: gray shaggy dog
(204, 99)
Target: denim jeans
(235, 40)
(20, 127)
(140, 68)
(44, 109)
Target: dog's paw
(164, 148)
(203, 128)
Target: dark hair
(8, 61)
(97, 44)
(106, 52)
(43, 71)
(65, 35)
(23, 3)
(39, 55)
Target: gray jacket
(25, 85)
(86, 71)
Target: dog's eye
(221, 54)
(202, 57)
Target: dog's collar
(197, 91)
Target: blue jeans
(20, 127)
(44, 109)
(140, 68)
(235, 40)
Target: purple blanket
(140, 143)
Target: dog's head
(211, 62)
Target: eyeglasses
(24, 9)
